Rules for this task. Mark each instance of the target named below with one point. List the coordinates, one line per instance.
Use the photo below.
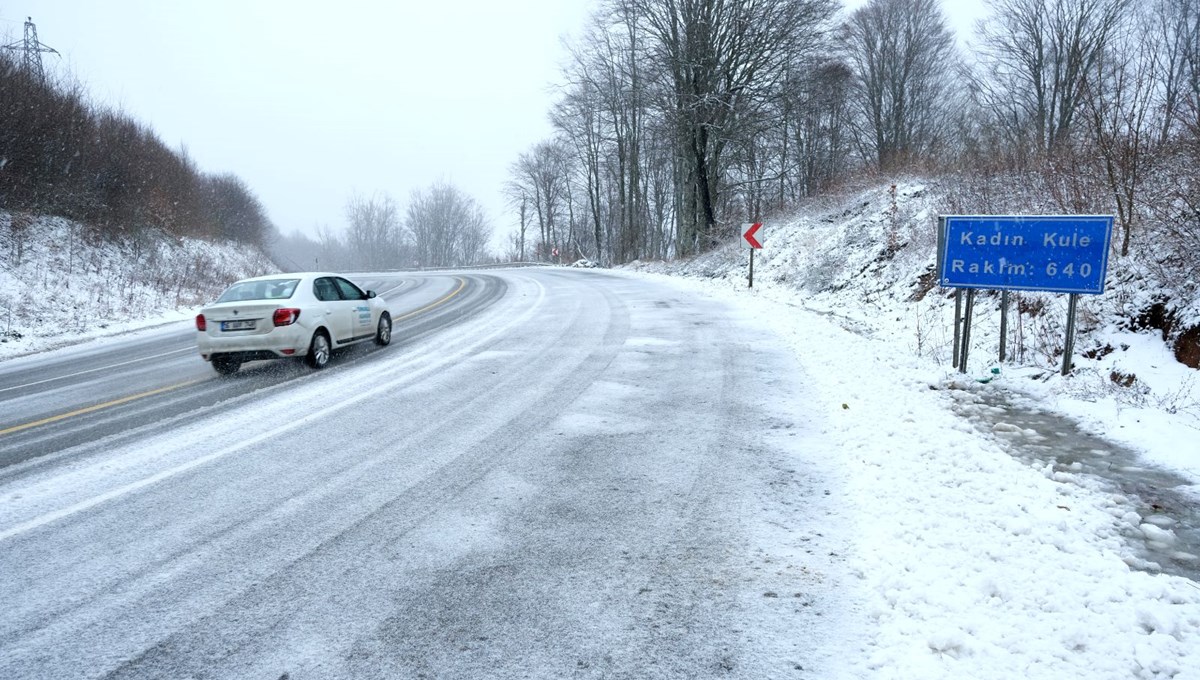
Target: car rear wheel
(225, 365)
(318, 350)
(383, 334)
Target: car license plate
(239, 325)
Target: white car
(289, 315)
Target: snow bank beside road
(974, 564)
(868, 262)
(62, 282)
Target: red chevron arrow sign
(748, 231)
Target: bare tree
(518, 198)
(374, 236)
(1175, 29)
(543, 174)
(817, 126)
(1120, 101)
(902, 54)
(233, 211)
(449, 227)
(332, 251)
(715, 61)
(612, 117)
(588, 117)
(1036, 56)
(1167, 202)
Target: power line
(31, 49)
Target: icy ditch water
(1161, 518)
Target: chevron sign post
(748, 232)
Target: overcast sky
(311, 102)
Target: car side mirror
(370, 294)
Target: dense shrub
(61, 155)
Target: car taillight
(286, 316)
(201, 324)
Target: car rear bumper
(250, 355)
(274, 345)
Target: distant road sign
(1057, 253)
(748, 231)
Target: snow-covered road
(600, 476)
(96, 393)
(604, 475)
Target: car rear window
(270, 289)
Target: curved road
(112, 388)
(550, 473)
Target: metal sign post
(954, 351)
(966, 332)
(1003, 324)
(1069, 344)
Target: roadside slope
(972, 563)
(866, 263)
(61, 282)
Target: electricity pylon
(32, 51)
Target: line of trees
(441, 227)
(680, 119)
(61, 155)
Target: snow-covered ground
(61, 282)
(972, 563)
(969, 562)
(865, 264)
(976, 563)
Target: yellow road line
(461, 284)
(96, 407)
(123, 400)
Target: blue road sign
(1058, 253)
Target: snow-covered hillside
(1010, 528)
(868, 261)
(61, 282)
